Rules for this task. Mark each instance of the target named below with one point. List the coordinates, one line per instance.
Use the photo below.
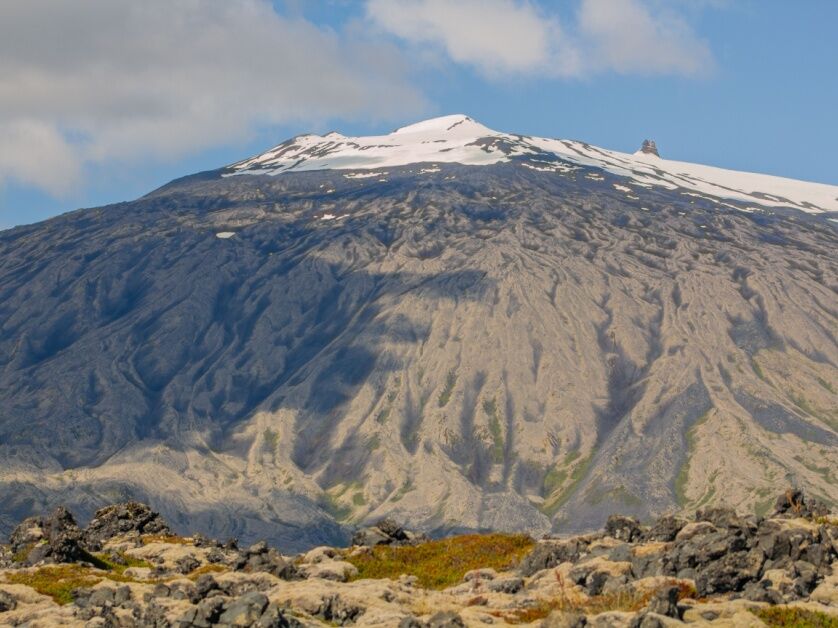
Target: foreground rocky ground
(127, 569)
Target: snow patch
(225, 234)
(460, 139)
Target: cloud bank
(96, 80)
(506, 37)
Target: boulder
(549, 554)
(120, 519)
(729, 573)
(260, 558)
(665, 529)
(385, 532)
(245, 611)
(665, 602)
(333, 608)
(623, 528)
(795, 503)
(564, 619)
(7, 602)
(446, 619)
(54, 538)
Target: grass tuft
(450, 382)
(212, 568)
(792, 617)
(443, 563)
(57, 581)
(630, 601)
(173, 539)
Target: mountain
(460, 328)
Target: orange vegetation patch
(443, 563)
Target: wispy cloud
(97, 80)
(518, 37)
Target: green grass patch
(450, 382)
(553, 479)
(490, 407)
(106, 562)
(571, 456)
(20, 555)
(270, 439)
(681, 478)
(383, 414)
(826, 385)
(443, 563)
(792, 617)
(358, 499)
(801, 402)
(403, 490)
(552, 505)
(758, 370)
(57, 581)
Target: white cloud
(624, 36)
(96, 80)
(35, 153)
(512, 37)
(496, 36)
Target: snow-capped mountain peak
(462, 140)
(455, 125)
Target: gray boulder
(125, 518)
(54, 538)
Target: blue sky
(104, 103)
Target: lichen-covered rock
(125, 518)
(547, 554)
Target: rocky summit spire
(650, 148)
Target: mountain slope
(508, 345)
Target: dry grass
(569, 601)
(789, 617)
(173, 539)
(443, 563)
(206, 569)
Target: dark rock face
(121, 519)
(649, 147)
(133, 337)
(54, 538)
